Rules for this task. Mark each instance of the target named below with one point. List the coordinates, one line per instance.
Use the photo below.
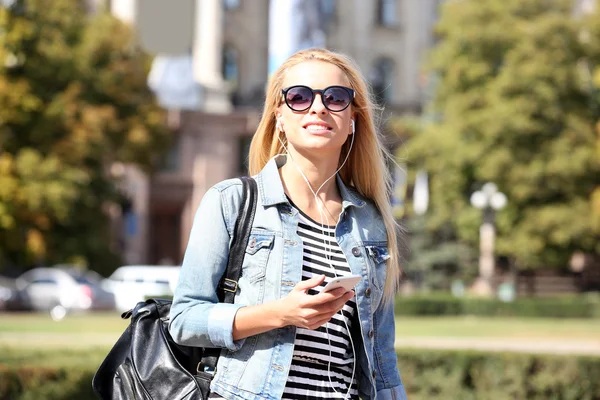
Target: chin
(310, 150)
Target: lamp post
(489, 200)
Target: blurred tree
(436, 256)
(515, 105)
(73, 100)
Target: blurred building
(222, 46)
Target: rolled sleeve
(220, 326)
(395, 393)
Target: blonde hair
(365, 169)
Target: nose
(317, 106)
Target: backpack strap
(229, 282)
(241, 233)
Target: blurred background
(116, 116)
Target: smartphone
(347, 282)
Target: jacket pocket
(258, 249)
(378, 256)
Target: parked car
(134, 283)
(12, 299)
(66, 287)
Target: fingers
(317, 324)
(322, 319)
(321, 315)
(310, 283)
(332, 294)
(337, 304)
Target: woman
(323, 211)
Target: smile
(317, 128)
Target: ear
(278, 123)
(278, 113)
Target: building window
(327, 8)
(171, 160)
(386, 12)
(231, 4)
(244, 152)
(230, 65)
(382, 80)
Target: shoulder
(365, 205)
(228, 195)
(368, 219)
(228, 186)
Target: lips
(317, 126)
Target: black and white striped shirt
(323, 358)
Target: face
(316, 131)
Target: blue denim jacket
(257, 367)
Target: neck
(317, 172)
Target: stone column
(125, 10)
(483, 285)
(137, 224)
(207, 53)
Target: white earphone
(353, 126)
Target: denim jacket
(256, 367)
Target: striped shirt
(322, 363)
(323, 360)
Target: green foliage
(550, 307)
(437, 256)
(73, 100)
(515, 104)
(31, 383)
(498, 376)
(426, 374)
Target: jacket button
(374, 373)
(356, 252)
(371, 333)
(368, 292)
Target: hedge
(34, 383)
(426, 374)
(550, 307)
(469, 375)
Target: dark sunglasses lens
(336, 98)
(299, 98)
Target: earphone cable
(321, 205)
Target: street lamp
(489, 200)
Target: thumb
(310, 283)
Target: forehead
(316, 74)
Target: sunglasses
(334, 98)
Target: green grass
(31, 330)
(52, 358)
(498, 327)
(105, 322)
(84, 340)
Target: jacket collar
(272, 192)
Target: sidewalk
(582, 347)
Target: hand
(311, 311)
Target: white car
(66, 287)
(134, 283)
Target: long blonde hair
(365, 169)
